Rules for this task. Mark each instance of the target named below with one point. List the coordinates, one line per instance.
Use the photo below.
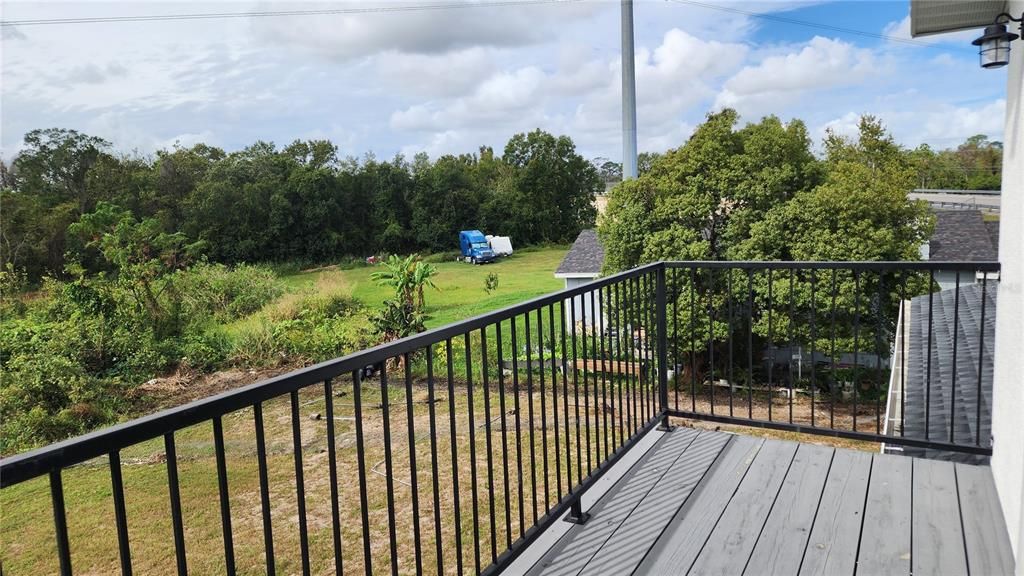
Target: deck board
(885, 538)
(780, 549)
(728, 548)
(937, 544)
(578, 546)
(631, 542)
(985, 536)
(832, 546)
(708, 502)
(685, 535)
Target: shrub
(225, 293)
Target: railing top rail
(21, 467)
(922, 265)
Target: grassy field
(26, 539)
(460, 286)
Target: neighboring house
(939, 388)
(961, 236)
(582, 264)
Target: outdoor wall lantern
(994, 44)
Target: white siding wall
(584, 313)
(1008, 390)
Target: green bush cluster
(73, 356)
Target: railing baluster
(903, 352)
(792, 341)
(604, 370)
(728, 329)
(434, 476)
(631, 363)
(981, 354)
(856, 344)
(455, 457)
(554, 408)
(879, 348)
(518, 420)
(60, 522)
(586, 383)
(814, 344)
(832, 353)
(622, 409)
(771, 346)
(565, 397)
(530, 417)
(598, 408)
(332, 470)
(952, 383)
(693, 340)
(928, 360)
(484, 368)
(225, 502)
(300, 485)
(385, 409)
(410, 424)
(120, 514)
(364, 506)
(261, 458)
(504, 435)
(471, 425)
(711, 336)
(750, 344)
(576, 392)
(675, 336)
(175, 495)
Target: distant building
(961, 236)
(582, 264)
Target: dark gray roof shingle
(962, 236)
(937, 397)
(585, 257)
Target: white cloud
(778, 80)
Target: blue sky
(446, 81)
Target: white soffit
(938, 16)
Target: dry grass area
(760, 405)
(26, 538)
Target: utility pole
(628, 94)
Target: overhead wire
(278, 13)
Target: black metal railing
(451, 450)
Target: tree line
(300, 202)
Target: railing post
(576, 514)
(661, 310)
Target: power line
(268, 13)
(785, 20)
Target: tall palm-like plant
(421, 278)
(398, 273)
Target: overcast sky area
(448, 81)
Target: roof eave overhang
(930, 17)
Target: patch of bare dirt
(183, 387)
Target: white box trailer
(500, 245)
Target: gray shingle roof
(585, 257)
(962, 236)
(932, 396)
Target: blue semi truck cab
(475, 247)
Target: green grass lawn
(460, 286)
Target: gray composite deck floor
(705, 502)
